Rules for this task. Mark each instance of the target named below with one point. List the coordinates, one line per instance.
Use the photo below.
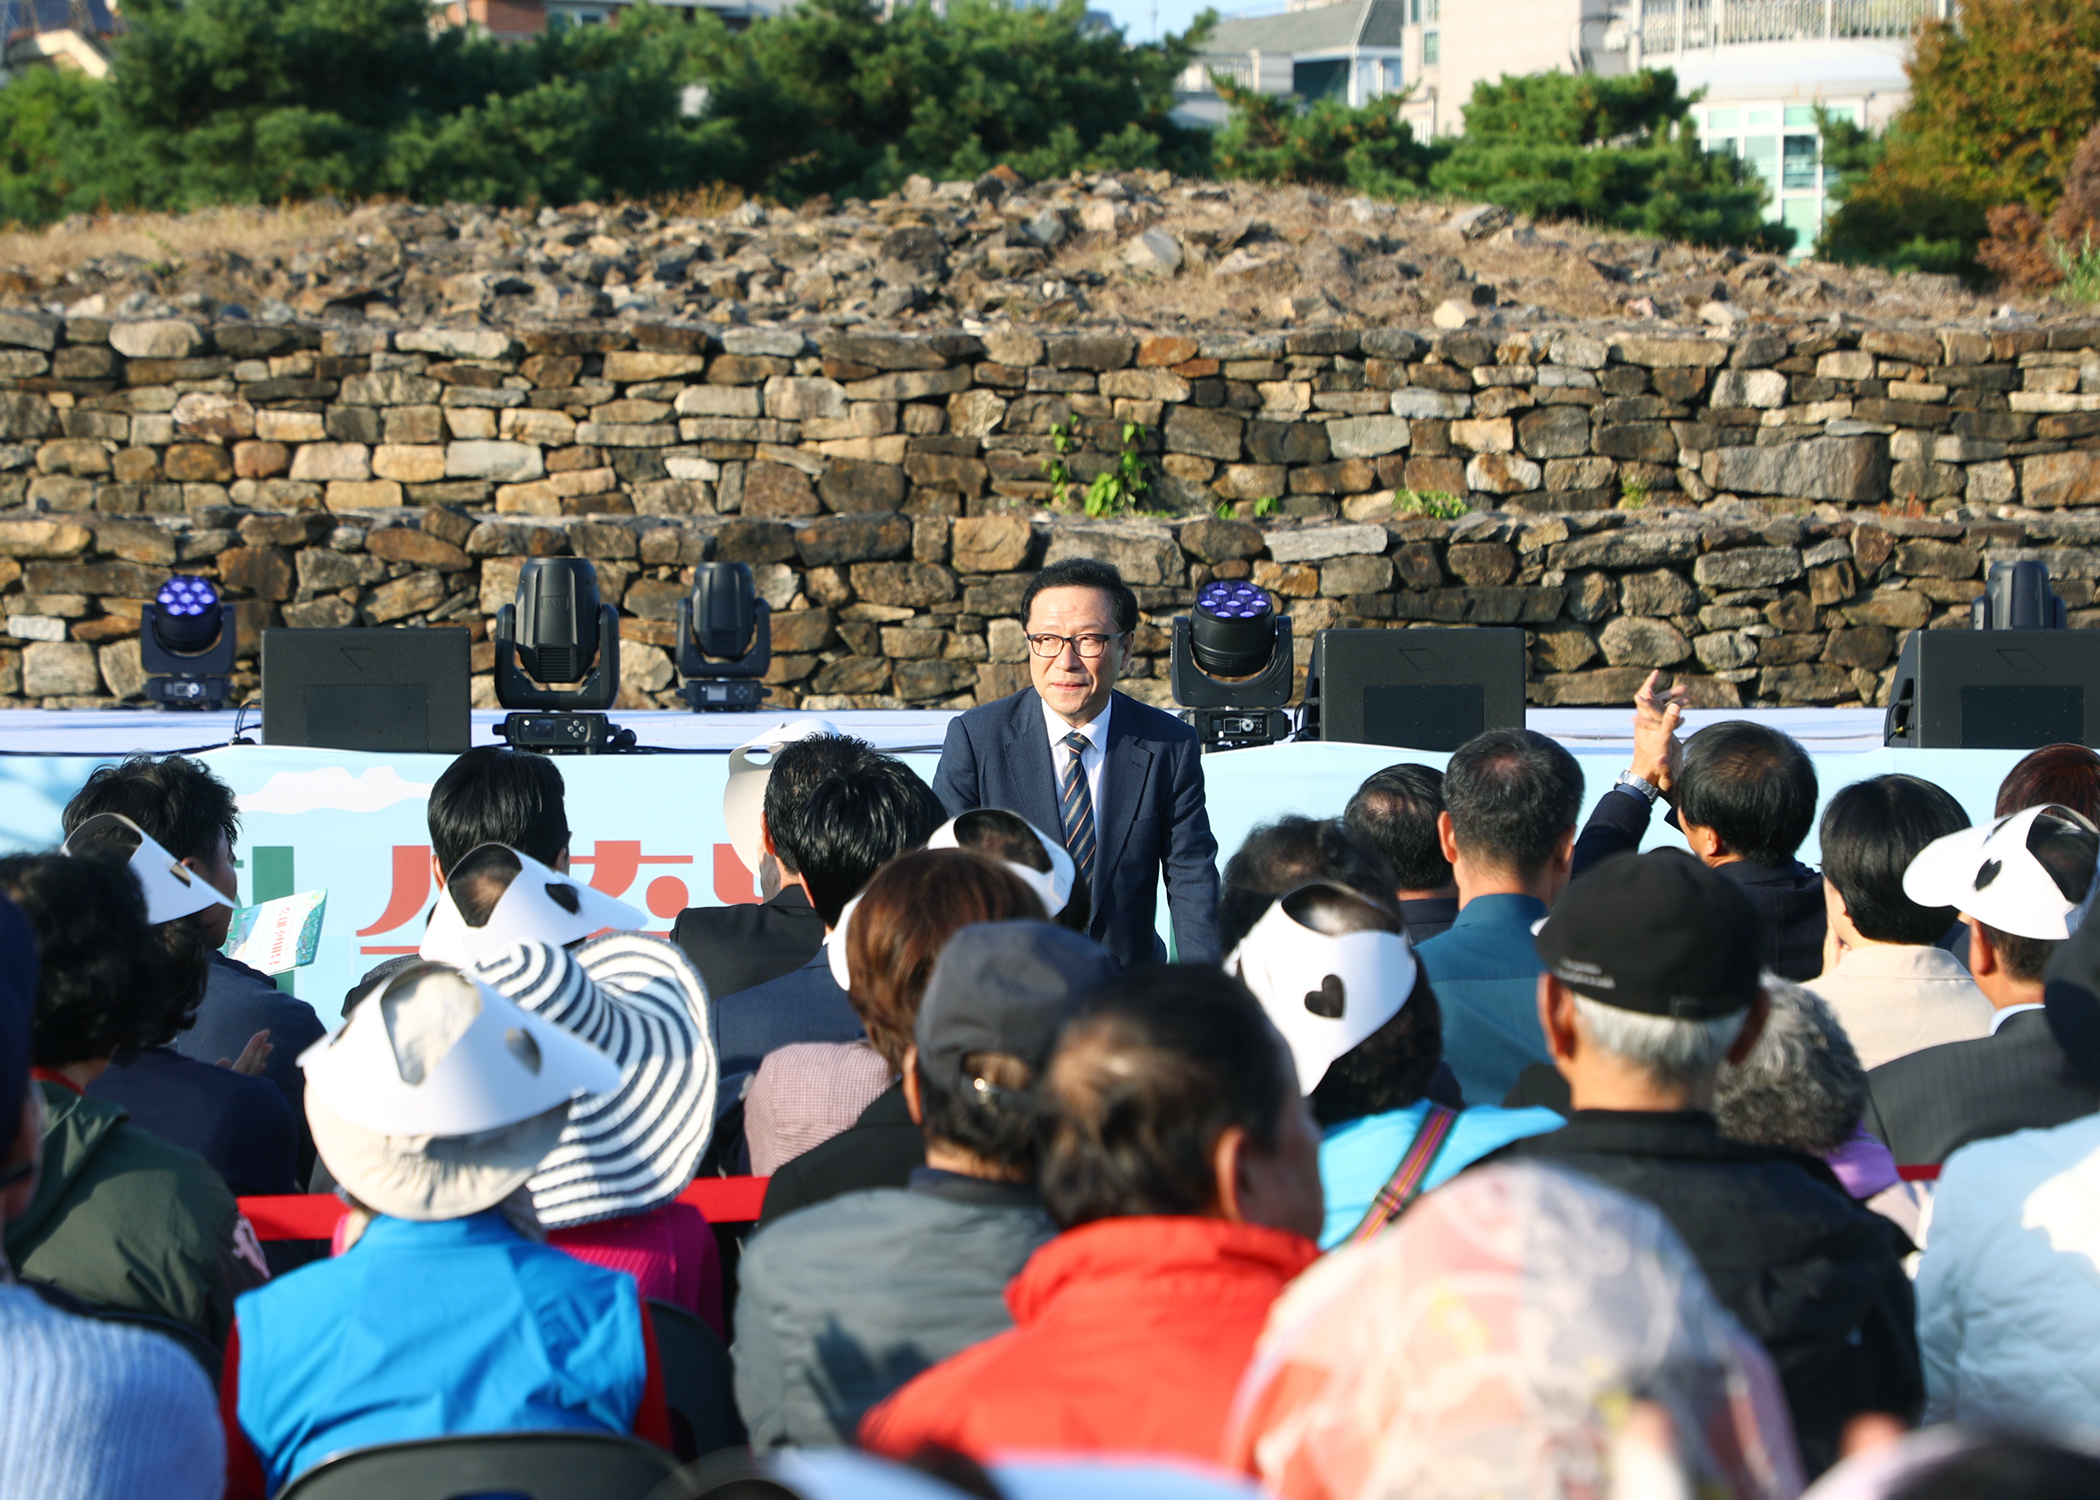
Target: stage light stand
(186, 645)
(1231, 667)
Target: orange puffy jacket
(1130, 1336)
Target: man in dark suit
(1744, 796)
(738, 947)
(1122, 782)
(848, 826)
(2036, 870)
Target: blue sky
(1136, 16)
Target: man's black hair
(854, 823)
(1144, 1081)
(1512, 795)
(997, 1134)
(798, 767)
(2021, 957)
(1394, 811)
(179, 803)
(1085, 573)
(1871, 832)
(495, 795)
(1279, 857)
(1750, 784)
(107, 983)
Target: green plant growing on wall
(1439, 504)
(1119, 489)
(2081, 268)
(1635, 494)
(1264, 507)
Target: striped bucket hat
(639, 1000)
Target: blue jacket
(241, 1125)
(1153, 815)
(1358, 1157)
(802, 1005)
(428, 1330)
(1486, 971)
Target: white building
(1764, 65)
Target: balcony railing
(1674, 25)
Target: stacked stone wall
(1764, 510)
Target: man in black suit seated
(1395, 812)
(848, 826)
(2022, 885)
(244, 1019)
(1118, 780)
(737, 947)
(1744, 796)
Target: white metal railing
(1195, 78)
(1684, 25)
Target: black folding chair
(699, 1382)
(535, 1465)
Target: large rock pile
(1141, 248)
(1764, 509)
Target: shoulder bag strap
(1405, 1185)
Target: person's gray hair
(1672, 1051)
(1802, 1086)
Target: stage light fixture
(2017, 596)
(186, 644)
(725, 640)
(556, 633)
(1231, 666)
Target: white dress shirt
(2002, 1016)
(1094, 761)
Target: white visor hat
(2029, 873)
(744, 794)
(172, 890)
(1324, 993)
(542, 905)
(1054, 885)
(435, 1053)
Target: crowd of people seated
(1493, 1158)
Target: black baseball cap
(1004, 987)
(1657, 933)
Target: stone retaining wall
(1763, 509)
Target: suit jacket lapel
(1029, 767)
(1128, 766)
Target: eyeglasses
(1088, 646)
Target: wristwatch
(1640, 787)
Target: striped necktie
(1076, 807)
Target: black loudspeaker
(1995, 690)
(385, 689)
(1415, 689)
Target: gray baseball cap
(1004, 987)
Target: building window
(1392, 76)
(1414, 12)
(1430, 50)
(1781, 142)
(1430, 8)
(1326, 79)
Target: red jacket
(1130, 1336)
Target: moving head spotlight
(1231, 666)
(725, 640)
(558, 632)
(186, 644)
